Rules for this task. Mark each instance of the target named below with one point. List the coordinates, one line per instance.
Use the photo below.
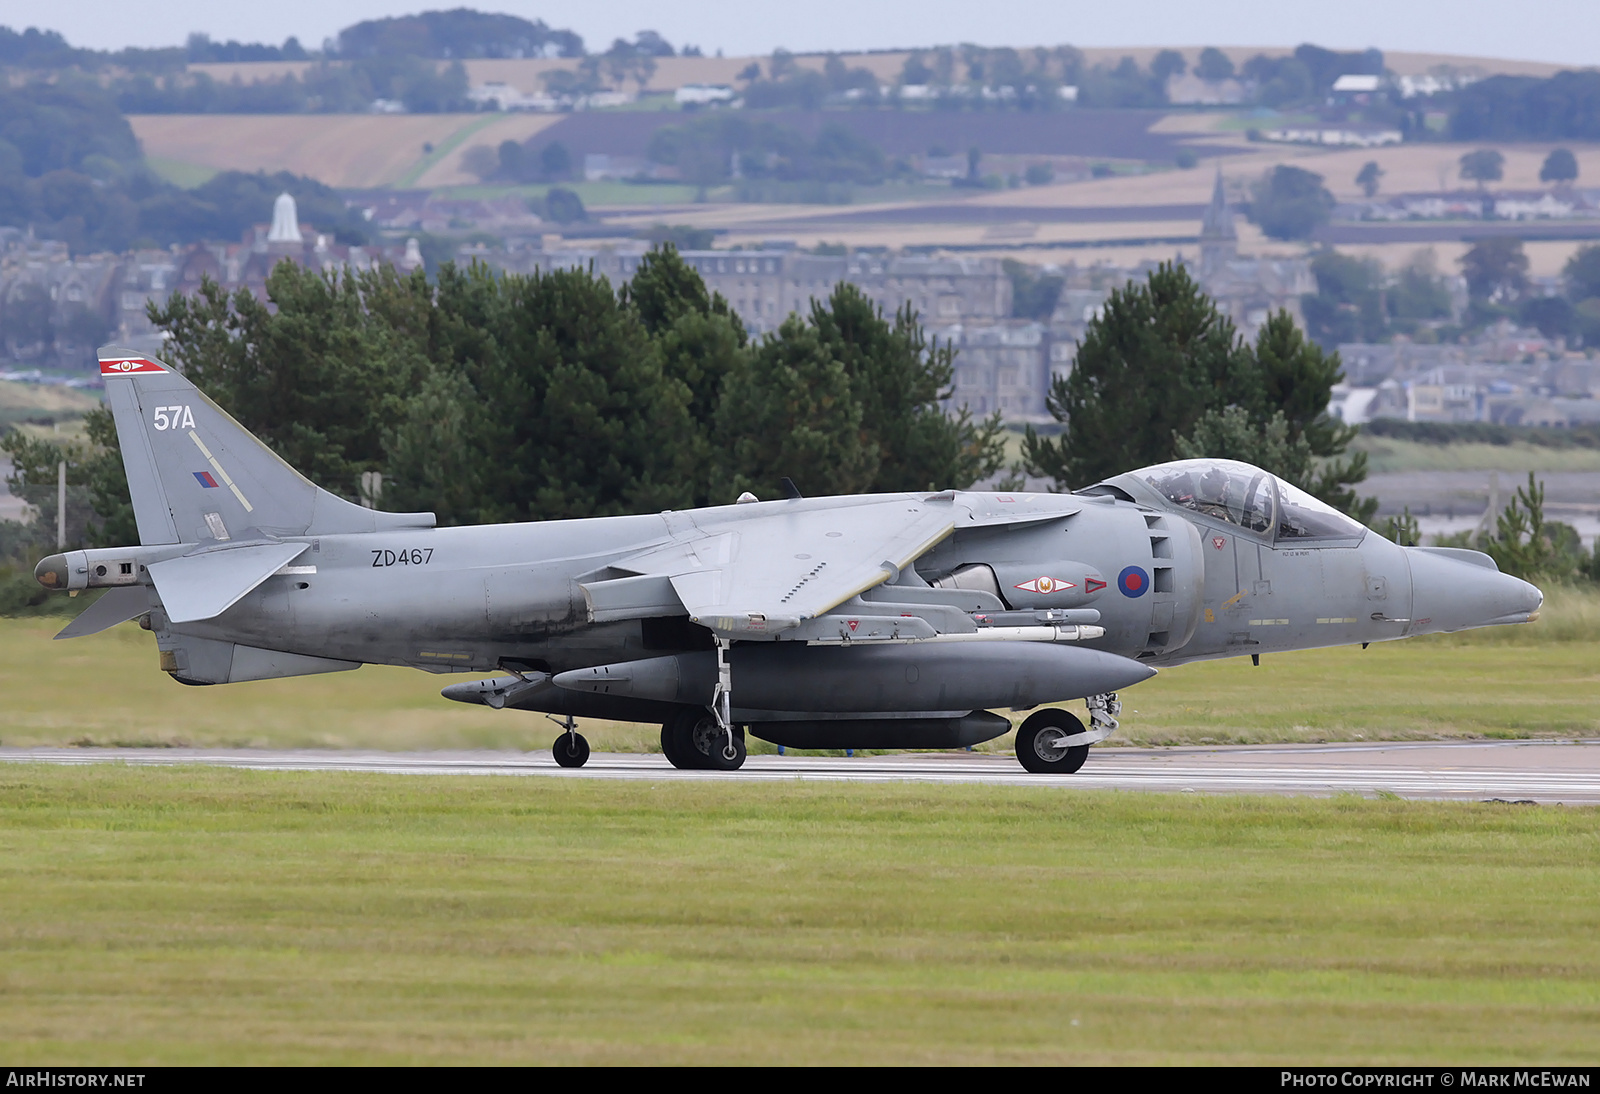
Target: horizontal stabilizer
(115, 606)
(204, 585)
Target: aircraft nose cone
(1454, 590)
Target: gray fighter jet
(881, 621)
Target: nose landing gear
(1054, 742)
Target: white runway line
(1541, 771)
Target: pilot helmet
(1213, 485)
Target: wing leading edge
(759, 575)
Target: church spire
(1218, 222)
(1219, 241)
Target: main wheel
(692, 741)
(1036, 749)
(713, 749)
(670, 735)
(571, 750)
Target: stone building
(55, 310)
(246, 264)
(1247, 290)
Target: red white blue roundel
(1133, 581)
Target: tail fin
(196, 474)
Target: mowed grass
(1540, 680)
(1388, 454)
(193, 915)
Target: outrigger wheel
(692, 741)
(571, 750)
(1036, 743)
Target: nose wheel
(1043, 743)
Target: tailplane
(195, 474)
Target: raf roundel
(1133, 581)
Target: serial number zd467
(417, 556)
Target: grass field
(19, 402)
(1540, 680)
(161, 916)
(1386, 454)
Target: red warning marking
(121, 366)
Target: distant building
(1247, 290)
(1190, 90)
(703, 94)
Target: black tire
(571, 750)
(672, 744)
(693, 742)
(721, 757)
(1038, 756)
(678, 739)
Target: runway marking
(1293, 770)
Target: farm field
(19, 402)
(672, 73)
(1535, 681)
(357, 151)
(210, 916)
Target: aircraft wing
(758, 575)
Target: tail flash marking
(206, 452)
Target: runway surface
(1536, 771)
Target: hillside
(674, 72)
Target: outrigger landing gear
(705, 738)
(570, 749)
(1054, 742)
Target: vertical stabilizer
(195, 474)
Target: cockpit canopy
(1244, 496)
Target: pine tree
(1156, 359)
(793, 411)
(899, 379)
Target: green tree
(1348, 305)
(1168, 63)
(319, 373)
(1033, 293)
(1230, 434)
(1582, 273)
(1296, 380)
(793, 411)
(1496, 269)
(564, 206)
(1559, 166)
(1214, 65)
(1161, 374)
(1155, 360)
(1368, 177)
(1483, 166)
(899, 379)
(1290, 203)
(553, 401)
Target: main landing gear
(693, 741)
(570, 749)
(1054, 742)
(705, 738)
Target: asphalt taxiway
(1536, 771)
